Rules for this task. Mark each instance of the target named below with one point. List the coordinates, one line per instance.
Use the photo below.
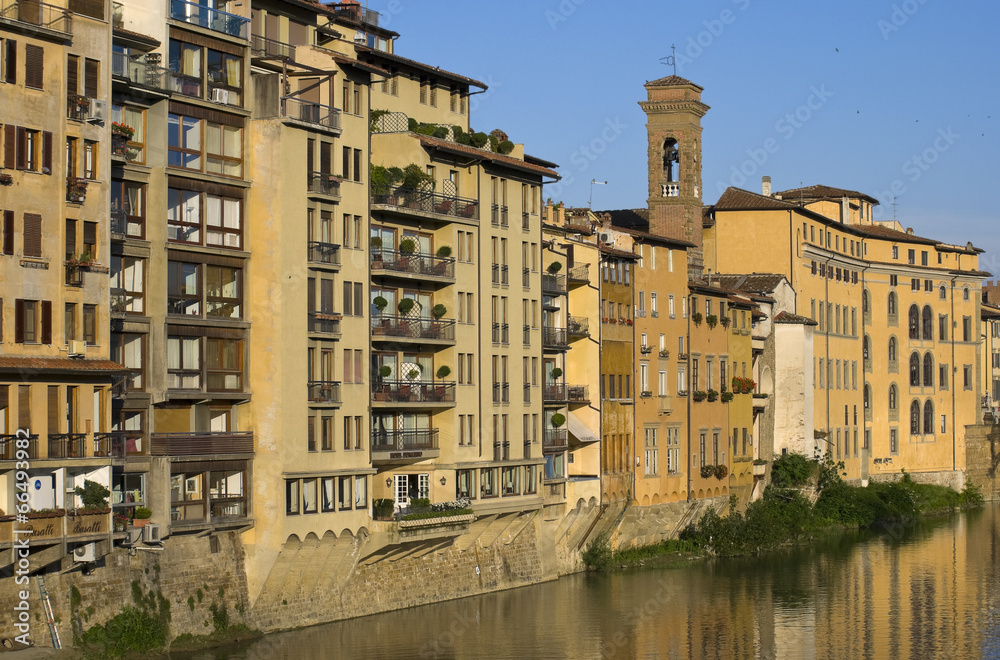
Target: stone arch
(766, 380)
(671, 155)
(293, 541)
(346, 534)
(656, 499)
(311, 537)
(701, 494)
(674, 496)
(645, 500)
(717, 493)
(614, 496)
(725, 491)
(581, 504)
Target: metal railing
(143, 70)
(498, 216)
(353, 11)
(37, 13)
(429, 202)
(525, 220)
(555, 439)
(501, 392)
(554, 337)
(117, 15)
(324, 253)
(406, 391)
(76, 189)
(554, 392)
(310, 113)
(324, 391)
(413, 264)
(78, 107)
(264, 47)
(9, 446)
(118, 444)
(405, 327)
(195, 444)
(577, 394)
(74, 275)
(553, 283)
(324, 322)
(578, 326)
(324, 184)
(413, 439)
(207, 17)
(579, 274)
(67, 445)
(501, 333)
(500, 274)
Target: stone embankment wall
(982, 442)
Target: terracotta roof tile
(878, 231)
(623, 254)
(392, 57)
(671, 80)
(788, 317)
(645, 235)
(817, 192)
(487, 155)
(751, 283)
(737, 199)
(60, 364)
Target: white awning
(580, 431)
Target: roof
(988, 311)
(614, 252)
(752, 283)
(879, 231)
(483, 154)
(671, 80)
(788, 317)
(438, 71)
(628, 218)
(737, 199)
(817, 192)
(358, 64)
(32, 365)
(646, 236)
(539, 161)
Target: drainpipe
(954, 369)
(826, 333)
(687, 375)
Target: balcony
(141, 70)
(408, 445)
(74, 274)
(76, 189)
(419, 392)
(399, 328)
(562, 394)
(46, 17)
(9, 448)
(312, 114)
(324, 391)
(552, 283)
(200, 444)
(212, 19)
(262, 48)
(353, 11)
(555, 440)
(501, 333)
(78, 107)
(413, 266)
(327, 254)
(325, 323)
(578, 327)
(498, 216)
(67, 445)
(500, 274)
(578, 275)
(665, 405)
(326, 185)
(119, 444)
(645, 349)
(554, 338)
(577, 394)
(427, 204)
(501, 392)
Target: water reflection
(923, 590)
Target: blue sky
(904, 94)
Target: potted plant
(664, 353)
(699, 395)
(727, 397)
(713, 395)
(696, 317)
(759, 467)
(444, 251)
(380, 303)
(439, 388)
(558, 420)
(712, 321)
(554, 267)
(438, 311)
(556, 373)
(141, 516)
(86, 258)
(382, 388)
(406, 306)
(707, 471)
(726, 321)
(721, 472)
(646, 394)
(443, 372)
(93, 495)
(120, 522)
(383, 508)
(407, 247)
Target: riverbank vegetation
(791, 512)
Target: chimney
(765, 184)
(845, 211)
(909, 230)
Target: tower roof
(672, 80)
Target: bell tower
(674, 110)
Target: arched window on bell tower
(670, 187)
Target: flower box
(699, 395)
(759, 469)
(88, 523)
(45, 525)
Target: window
(943, 376)
(183, 288)
(914, 370)
(928, 323)
(90, 160)
(32, 229)
(33, 64)
(224, 76)
(127, 285)
(942, 293)
(929, 417)
(184, 363)
(966, 376)
(184, 61)
(222, 225)
(966, 328)
(128, 209)
(915, 418)
(928, 370)
(943, 327)
(32, 322)
(292, 500)
(651, 451)
(893, 397)
(965, 294)
(914, 318)
(219, 152)
(134, 150)
(223, 291)
(892, 350)
(911, 256)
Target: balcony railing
(577, 394)
(324, 322)
(413, 264)
(407, 440)
(324, 184)
(324, 391)
(554, 393)
(554, 337)
(143, 70)
(429, 202)
(117, 15)
(498, 216)
(36, 13)
(324, 253)
(578, 327)
(310, 113)
(501, 274)
(74, 275)
(76, 189)
(118, 444)
(525, 220)
(579, 274)
(197, 444)
(526, 277)
(207, 17)
(555, 439)
(67, 445)
(353, 11)
(412, 328)
(9, 448)
(553, 283)
(262, 47)
(405, 391)
(501, 333)
(78, 107)
(501, 392)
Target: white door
(424, 484)
(402, 491)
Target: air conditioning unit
(86, 552)
(97, 111)
(220, 95)
(151, 534)
(606, 238)
(77, 348)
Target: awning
(580, 431)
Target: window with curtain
(223, 291)
(328, 493)
(127, 285)
(184, 60)
(225, 72)
(127, 209)
(134, 118)
(183, 363)
(929, 417)
(224, 149)
(183, 288)
(184, 142)
(224, 364)
(224, 221)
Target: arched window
(943, 293)
(864, 301)
(892, 349)
(893, 403)
(915, 418)
(929, 417)
(864, 347)
(965, 294)
(671, 155)
(914, 369)
(928, 370)
(914, 322)
(928, 323)
(892, 303)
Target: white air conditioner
(151, 534)
(77, 348)
(98, 110)
(606, 238)
(220, 95)
(86, 552)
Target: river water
(929, 589)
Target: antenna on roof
(670, 60)
(894, 208)
(590, 202)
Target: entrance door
(402, 491)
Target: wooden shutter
(70, 238)
(8, 232)
(325, 166)
(72, 76)
(22, 148)
(32, 235)
(53, 408)
(47, 152)
(10, 75)
(90, 234)
(18, 321)
(9, 146)
(90, 72)
(46, 321)
(33, 61)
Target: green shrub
(558, 420)
(443, 372)
(420, 502)
(791, 471)
(383, 508)
(426, 129)
(444, 251)
(505, 147)
(413, 125)
(597, 556)
(373, 118)
(142, 513)
(439, 310)
(93, 495)
(441, 132)
(479, 140)
(971, 496)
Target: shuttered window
(33, 59)
(8, 232)
(46, 152)
(10, 65)
(92, 8)
(26, 321)
(70, 239)
(72, 76)
(46, 321)
(22, 148)
(32, 235)
(91, 70)
(9, 146)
